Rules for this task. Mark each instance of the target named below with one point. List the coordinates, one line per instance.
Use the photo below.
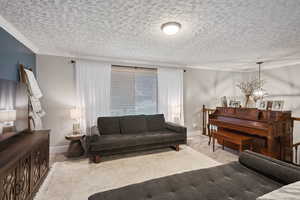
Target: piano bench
(234, 138)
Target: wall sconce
(7, 117)
(75, 115)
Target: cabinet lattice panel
(8, 185)
(24, 182)
(36, 166)
(23, 165)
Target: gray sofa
(133, 133)
(250, 177)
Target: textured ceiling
(226, 34)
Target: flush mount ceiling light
(170, 28)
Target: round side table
(75, 147)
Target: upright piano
(271, 130)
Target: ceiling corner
(17, 34)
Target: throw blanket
(33, 85)
(34, 94)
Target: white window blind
(133, 91)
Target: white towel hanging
(33, 85)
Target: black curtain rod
(135, 67)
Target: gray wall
(284, 84)
(56, 79)
(205, 87)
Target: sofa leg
(97, 158)
(177, 147)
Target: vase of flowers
(248, 88)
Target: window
(133, 91)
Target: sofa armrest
(176, 128)
(278, 170)
(95, 130)
(88, 140)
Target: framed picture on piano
(234, 104)
(269, 105)
(261, 105)
(278, 105)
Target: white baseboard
(58, 149)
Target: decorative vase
(249, 102)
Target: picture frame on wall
(277, 105)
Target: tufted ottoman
(252, 176)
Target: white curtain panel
(170, 94)
(93, 92)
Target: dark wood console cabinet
(24, 164)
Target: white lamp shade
(74, 113)
(7, 115)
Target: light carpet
(77, 180)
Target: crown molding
(265, 66)
(151, 64)
(274, 66)
(215, 69)
(227, 69)
(118, 61)
(17, 34)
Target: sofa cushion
(109, 125)
(155, 122)
(278, 170)
(227, 182)
(118, 141)
(133, 124)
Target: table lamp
(7, 117)
(75, 115)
